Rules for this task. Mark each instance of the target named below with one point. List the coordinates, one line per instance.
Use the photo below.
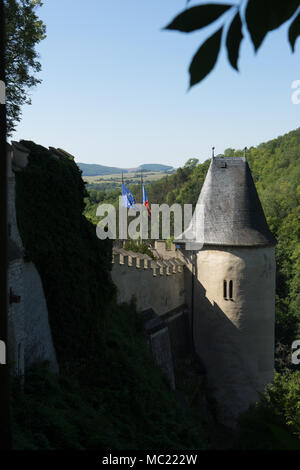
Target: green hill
(89, 169)
(155, 167)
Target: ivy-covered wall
(109, 393)
(73, 264)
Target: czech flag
(145, 200)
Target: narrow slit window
(19, 360)
(225, 289)
(230, 289)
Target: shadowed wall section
(154, 284)
(234, 328)
(29, 337)
(38, 344)
(159, 291)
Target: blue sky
(114, 88)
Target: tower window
(225, 290)
(230, 289)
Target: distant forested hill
(89, 169)
(155, 167)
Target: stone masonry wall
(16, 332)
(38, 344)
(29, 334)
(154, 284)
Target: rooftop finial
(213, 152)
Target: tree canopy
(24, 30)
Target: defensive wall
(29, 334)
(158, 287)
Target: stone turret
(230, 254)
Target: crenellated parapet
(160, 267)
(156, 284)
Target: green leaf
(233, 40)
(198, 17)
(205, 58)
(294, 31)
(263, 16)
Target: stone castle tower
(230, 255)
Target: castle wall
(12, 222)
(29, 334)
(158, 288)
(235, 337)
(38, 344)
(179, 334)
(16, 331)
(160, 346)
(156, 285)
(161, 250)
(16, 312)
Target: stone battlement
(140, 261)
(156, 284)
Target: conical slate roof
(228, 210)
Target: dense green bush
(141, 247)
(73, 263)
(124, 401)
(274, 423)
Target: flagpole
(122, 216)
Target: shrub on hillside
(274, 422)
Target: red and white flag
(145, 200)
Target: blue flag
(127, 198)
